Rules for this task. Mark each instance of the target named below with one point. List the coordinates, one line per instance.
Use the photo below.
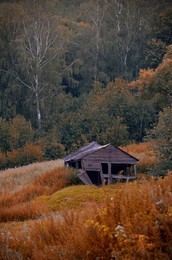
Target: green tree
(163, 23)
(15, 133)
(41, 41)
(34, 57)
(94, 120)
(4, 134)
(162, 134)
(117, 133)
(11, 16)
(128, 27)
(154, 53)
(95, 12)
(20, 132)
(155, 85)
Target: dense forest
(76, 71)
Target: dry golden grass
(17, 178)
(21, 205)
(131, 221)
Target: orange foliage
(32, 152)
(145, 76)
(145, 152)
(27, 154)
(119, 86)
(3, 159)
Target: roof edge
(127, 153)
(87, 150)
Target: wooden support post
(109, 174)
(135, 171)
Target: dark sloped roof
(89, 149)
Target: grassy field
(17, 178)
(44, 216)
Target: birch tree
(40, 42)
(94, 12)
(129, 29)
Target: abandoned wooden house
(102, 164)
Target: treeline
(20, 144)
(76, 72)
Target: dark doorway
(72, 164)
(94, 177)
(79, 165)
(105, 168)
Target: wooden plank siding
(98, 164)
(110, 154)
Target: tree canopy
(83, 71)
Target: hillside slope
(16, 178)
(47, 218)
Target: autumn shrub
(22, 156)
(145, 152)
(55, 179)
(3, 160)
(31, 153)
(13, 158)
(20, 132)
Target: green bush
(74, 179)
(54, 151)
